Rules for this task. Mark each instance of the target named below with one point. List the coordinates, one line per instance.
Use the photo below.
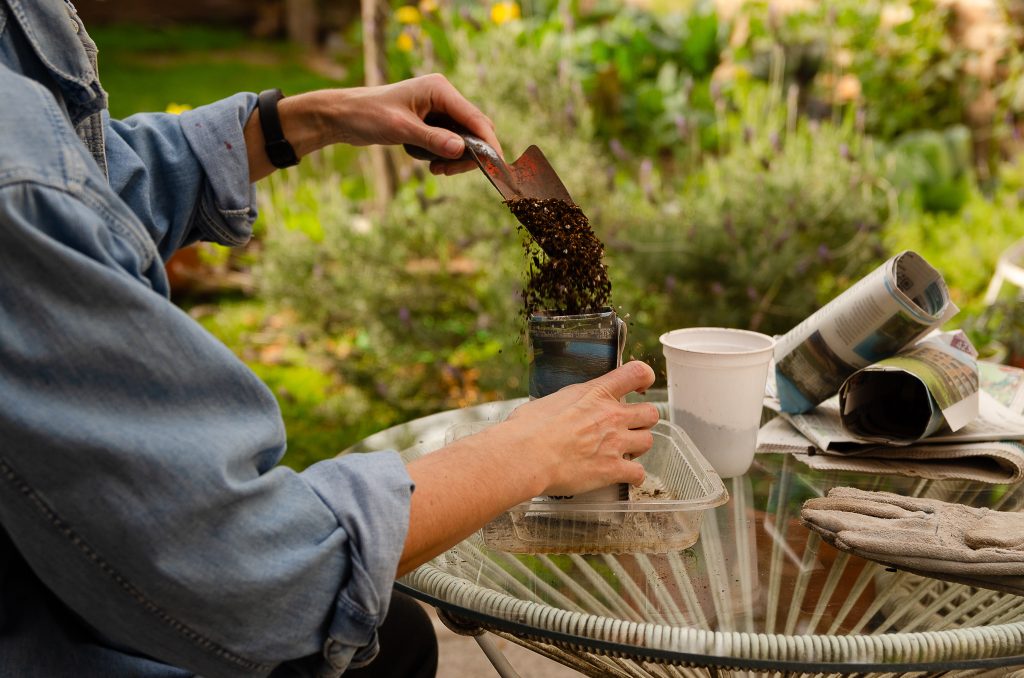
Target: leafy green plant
(911, 71)
(964, 246)
(906, 66)
(999, 328)
(645, 74)
(932, 169)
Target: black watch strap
(278, 149)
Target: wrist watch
(278, 149)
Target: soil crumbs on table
(566, 271)
(566, 531)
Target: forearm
(462, 487)
(389, 114)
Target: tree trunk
(374, 61)
(301, 22)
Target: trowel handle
(476, 148)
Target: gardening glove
(973, 546)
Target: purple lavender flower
(717, 289)
(823, 252)
(617, 149)
(670, 283)
(682, 126)
(563, 70)
(570, 114)
(646, 170)
(728, 227)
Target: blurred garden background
(743, 162)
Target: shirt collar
(50, 27)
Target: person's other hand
(583, 437)
(393, 114)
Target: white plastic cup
(716, 383)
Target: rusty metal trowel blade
(531, 176)
(536, 178)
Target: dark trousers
(408, 645)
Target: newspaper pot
(569, 349)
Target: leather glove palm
(974, 546)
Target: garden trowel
(531, 176)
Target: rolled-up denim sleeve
(186, 176)
(138, 472)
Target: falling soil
(565, 257)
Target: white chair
(1009, 269)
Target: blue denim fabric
(145, 529)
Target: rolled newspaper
(890, 308)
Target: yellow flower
(503, 12)
(405, 43)
(428, 6)
(177, 109)
(407, 14)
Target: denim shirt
(145, 527)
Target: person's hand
(573, 441)
(583, 437)
(388, 114)
(393, 114)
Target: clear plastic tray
(662, 515)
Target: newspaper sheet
(1004, 383)
(890, 308)
(987, 462)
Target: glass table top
(757, 591)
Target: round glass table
(757, 593)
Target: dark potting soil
(566, 267)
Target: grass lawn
(146, 69)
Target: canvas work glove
(973, 546)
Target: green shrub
(965, 246)
(766, 233)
